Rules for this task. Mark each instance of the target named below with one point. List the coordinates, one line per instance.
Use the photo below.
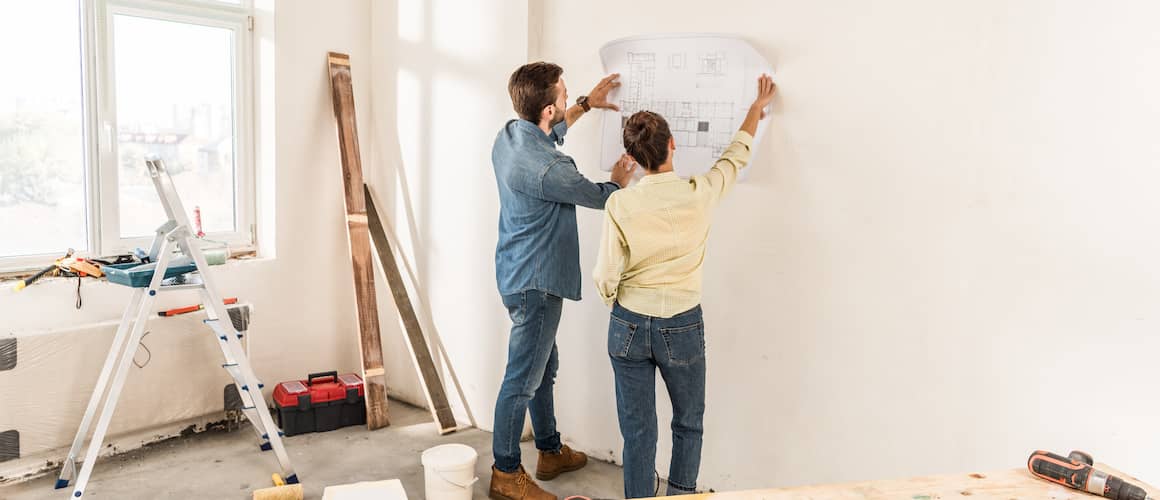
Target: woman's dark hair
(646, 139)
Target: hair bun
(646, 138)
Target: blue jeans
(528, 379)
(638, 345)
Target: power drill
(1076, 471)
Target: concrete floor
(228, 465)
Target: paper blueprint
(702, 84)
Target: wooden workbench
(1008, 484)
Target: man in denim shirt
(537, 264)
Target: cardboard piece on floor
(374, 375)
(391, 489)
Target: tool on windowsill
(79, 267)
(1076, 471)
(76, 266)
(189, 309)
(67, 266)
(22, 284)
(50, 270)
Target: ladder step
(167, 288)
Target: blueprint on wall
(702, 84)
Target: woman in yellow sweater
(649, 271)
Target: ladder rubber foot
(61, 484)
(281, 434)
(245, 387)
(266, 447)
(291, 479)
(261, 385)
(223, 337)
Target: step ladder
(175, 232)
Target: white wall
(944, 258)
(304, 313)
(441, 69)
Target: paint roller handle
(1075, 472)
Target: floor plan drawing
(701, 84)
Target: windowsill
(240, 256)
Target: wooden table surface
(1008, 484)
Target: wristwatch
(582, 101)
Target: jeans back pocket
(620, 335)
(685, 344)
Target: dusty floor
(228, 465)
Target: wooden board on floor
(1008, 484)
(374, 376)
(420, 353)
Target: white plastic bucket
(449, 471)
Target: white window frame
(100, 125)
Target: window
(96, 86)
(43, 205)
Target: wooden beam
(374, 376)
(420, 353)
(1006, 484)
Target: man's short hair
(533, 88)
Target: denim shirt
(539, 188)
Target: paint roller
(280, 491)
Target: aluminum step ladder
(175, 232)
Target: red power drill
(1075, 471)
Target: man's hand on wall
(598, 98)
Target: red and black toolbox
(323, 402)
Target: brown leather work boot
(517, 485)
(554, 464)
